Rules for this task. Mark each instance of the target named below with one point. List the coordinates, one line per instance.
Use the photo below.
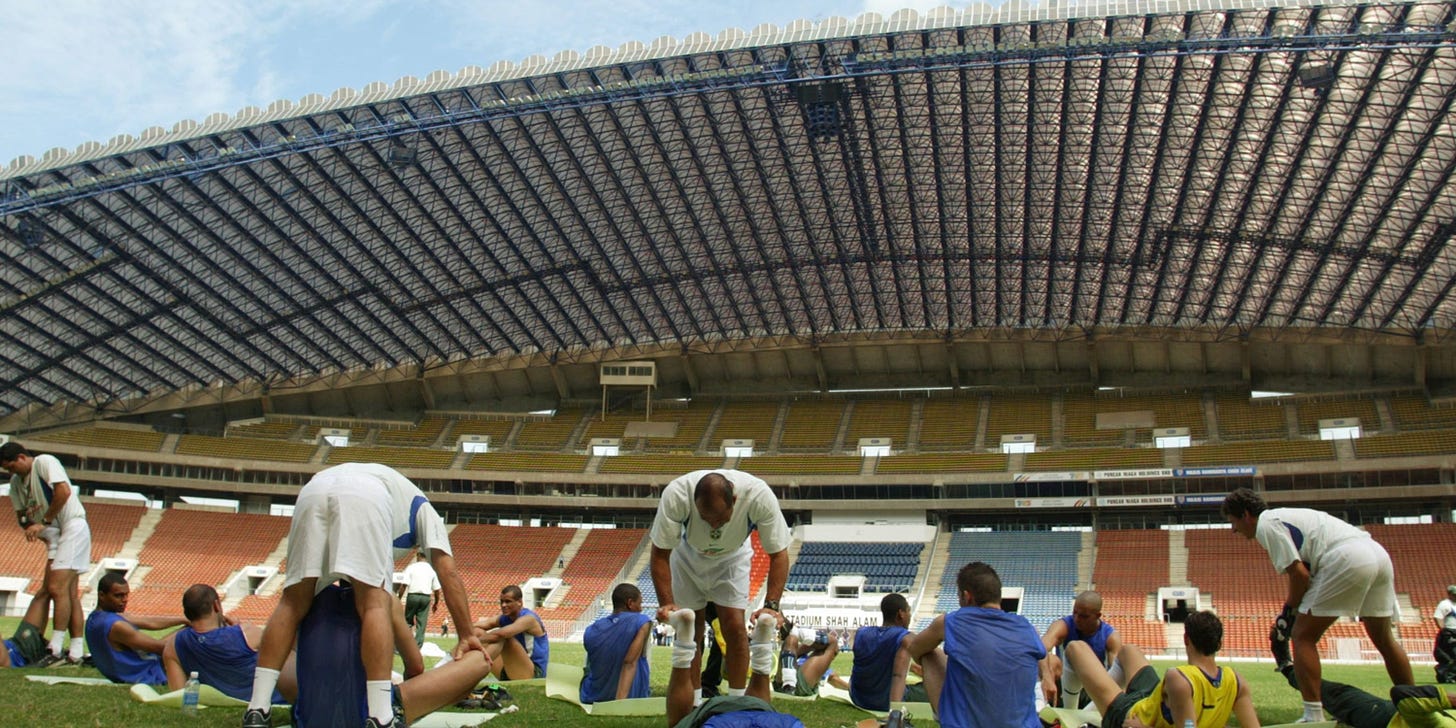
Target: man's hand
(665, 610)
(777, 615)
(468, 641)
(1051, 679)
(32, 532)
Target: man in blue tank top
(121, 651)
(723, 711)
(987, 676)
(505, 636)
(331, 679)
(880, 663)
(1084, 624)
(613, 643)
(221, 651)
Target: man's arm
(498, 634)
(176, 678)
(155, 623)
(899, 668)
(1244, 707)
(629, 661)
(923, 642)
(60, 493)
(1299, 578)
(457, 601)
(435, 605)
(778, 578)
(404, 642)
(1050, 667)
(1178, 694)
(661, 568)
(124, 635)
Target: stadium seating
(612, 424)
(550, 434)
(491, 557)
(1246, 591)
(1241, 419)
(1095, 459)
(121, 439)
(1312, 411)
(1418, 551)
(946, 462)
(591, 573)
(532, 461)
(1014, 414)
(231, 541)
(423, 434)
(880, 418)
(1130, 565)
(396, 457)
(811, 424)
(1406, 444)
(949, 423)
(265, 430)
(497, 429)
(692, 423)
(1079, 413)
(111, 526)
(660, 464)
(1042, 563)
(887, 567)
(746, 421)
(1263, 451)
(245, 448)
(1415, 412)
(803, 465)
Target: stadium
(1035, 284)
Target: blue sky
(87, 70)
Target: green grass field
(29, 703)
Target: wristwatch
(772, 604)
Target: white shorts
(1353, 579)
(722, 580)
(69, 549)
(341, 529)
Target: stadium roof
(1186, 173)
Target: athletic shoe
(50, 660)
(257, 718)
(393, 723)
(1280, 649)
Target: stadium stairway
(1086, 557)
(568, 552)
(139, 535)
(268, 588)
(925, 608)
(1177, 561)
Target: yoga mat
(61, 679)
(1070, 717)
(918, 711)
(563, 682)
(208, 696)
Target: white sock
(761, 645)
(58, 642)
(381, 706)
(737, 691)
(788, 671)
(264, 680)
(78, 648)
(685, 644)
(1314, 712)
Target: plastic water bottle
(1189, 723)
(191, 694)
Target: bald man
(1084, 624)
(701, 553)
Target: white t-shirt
(413, 521)
(678, 522)
(1446, 613)
(32, 493)
(419, 578)
(1301, 534)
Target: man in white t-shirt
(420, 583)
(349, 522)
(1335, 570)
(1445, 652)
(49, 509)
(701, 552)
